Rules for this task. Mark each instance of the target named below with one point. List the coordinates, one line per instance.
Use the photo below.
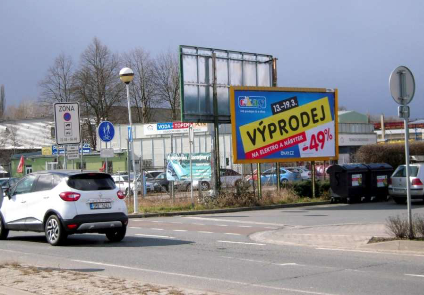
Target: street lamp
(127, 75)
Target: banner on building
(283, 124)
(178, 166)
(173, 128)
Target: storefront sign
(173, 128)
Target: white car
(121, 181)
(397, 183)
(64, 202)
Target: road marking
(268, 227)
(412, 275)
(221, 225)
(245, 226)
(205, 232)
(373, 252)
(264, 262)
(232, 242)
(157, 221)
(233, 234)
(156, 228)
(198, 223)
(203, 278)
(238, 221)
(155, 236)
(180, 230)
(175, 222)
(135, 227)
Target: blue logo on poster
(106, 131)
(164, 126)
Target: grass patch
(227, 199)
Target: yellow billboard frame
(282, 89)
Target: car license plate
(100, 206)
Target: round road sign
(402, 85)
(106, 131)
(67, 116)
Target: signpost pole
(172, 182)
(82, 152)
(274, 84)
(216, 128)
(190, 135)
(106, 170)
(65, 163)
(402, 88)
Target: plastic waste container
(348, 182)
(377, 181)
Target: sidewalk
(339, 236)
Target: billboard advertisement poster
(356, 179)
(283, 124)
(178, 166)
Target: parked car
(161, 184)
(7, 183)
(304, 173)
(269, 176)
(397, 183)
(154, 173)
(121, 180)
(64, 202)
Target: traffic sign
(130, 136)
(67, 122)
(106, 131)
(107, 153)
(402, 85)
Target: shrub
(418, 224)
(304, 188)
(398, 227)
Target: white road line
(232, 242)
(155, 236)
(156, 228)
(198, 223)
(412, 275)
(157, 221)
(203, 278)
(175, 222)
(238, 221)
(205, 232)
(264, 262)
(245, 226)
(269, 227)
(372, 252)
(221, 225)
(135, 227)
(180, 230)
(233, 234)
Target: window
(44, 183)
(25, 185)
(28, 169)
(401, 171)
(91, 182)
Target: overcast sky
(349, 45)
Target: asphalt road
(214, 253)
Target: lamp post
(127, 75)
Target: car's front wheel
(4, 232)
(116, 235)
(55, 234)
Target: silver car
(397, 183)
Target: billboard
(178, 167)
(233, 68)
(283, 124)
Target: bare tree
(167, 81)
(57, 85)
(2, 101)
(143, 86)
(25, 109)
(97, 85)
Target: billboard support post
(217, 165)
(313, 178)
(172, 182)
(191, 165)
(274, 84)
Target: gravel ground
(24, 279)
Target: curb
(229, 210)
(13, 291)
